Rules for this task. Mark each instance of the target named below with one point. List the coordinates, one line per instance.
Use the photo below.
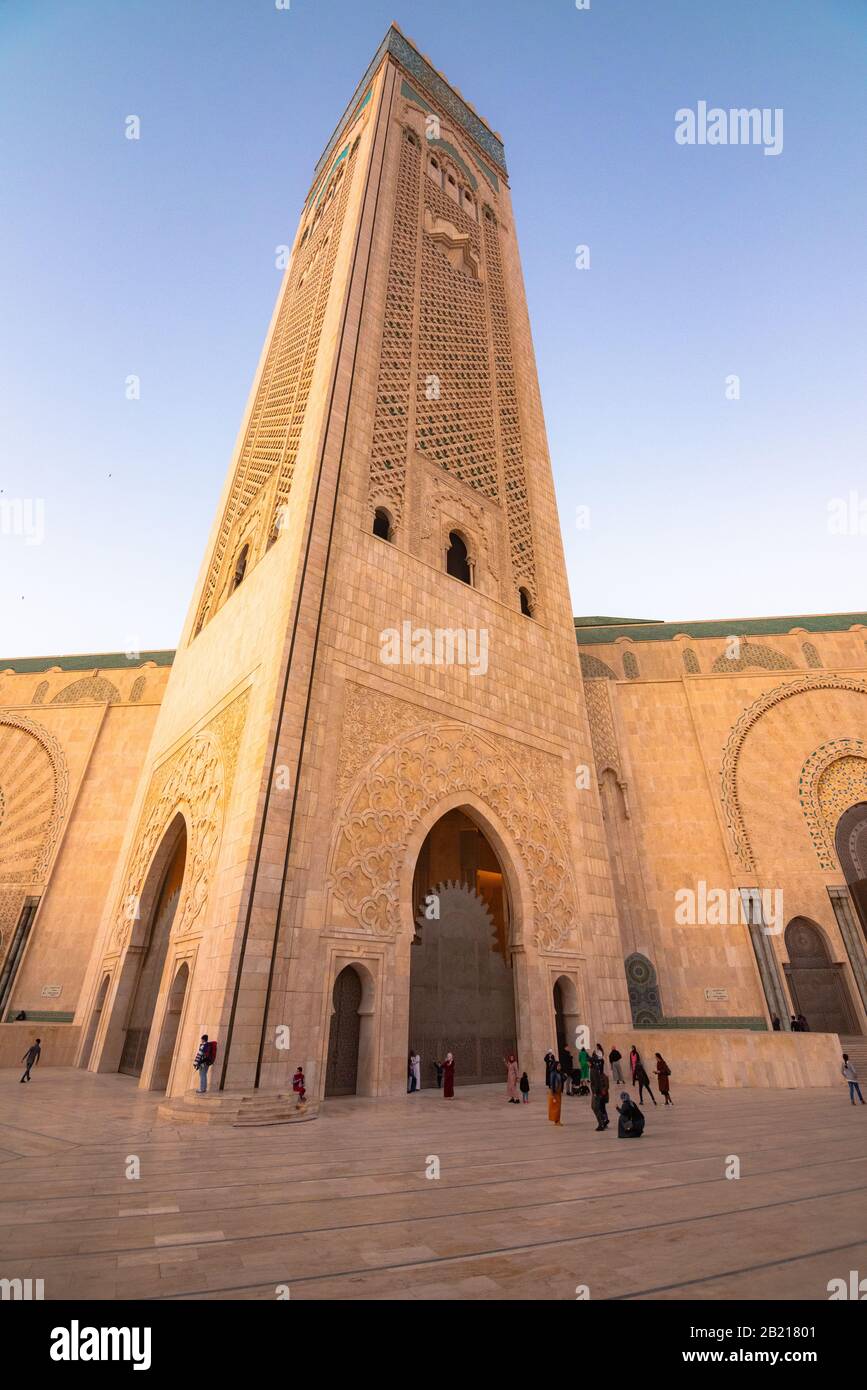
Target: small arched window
(457, 559)
(382, 524)
(526, 603)
(240, 568)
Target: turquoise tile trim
(103, 661)
(755, 1025)
(648, 631)
(37, 1016)
(430, 81)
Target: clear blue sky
(156, 258)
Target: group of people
(445, 1074)
(797, 1023)
(588, 1076)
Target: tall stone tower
(375, 711)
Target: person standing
(599, 1091)
(598, 1058)
(555, 1096)
(794, 1024)
(614, 1057)
(567, 1066)
(775, 1023)
(550, 1062)
(848, 1071)
(584, 1063)
(803, 1025)
(414, 1072)
(634, 1059)
(512, 1079)
(448, 1077)
(525, 1088)
(663, 1072)
(205, 1058)
(642, 1081)
(438, 1068)
(31, 1057)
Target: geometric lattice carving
(811, 655)
(454, 406)
(690, 662)
(407, 781)
(630, 666)
(137, 691)
(35, 787)
(731, 805)
(753, 654)
(273, 432)
(389, 447)
(514, 468)
(91, 688)
(832, 779)
(40, 693)
(198, 777)
(602, 732)
(594, 669)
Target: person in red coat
(663, 1071)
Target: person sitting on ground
(631, 1122)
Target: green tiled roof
(600, 631)
(102, 661)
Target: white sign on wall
(716, 995)
(51, 991)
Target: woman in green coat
(584, 1063)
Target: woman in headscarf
(448, 1076)
(631, 1122)
(642, 1081)
(663, 1071)
(550, 1062)
(512, 1079)
(555, 1094)
(634, 1059)
(584, 1063)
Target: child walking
(524, 1087)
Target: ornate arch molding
(732, 808)
(55, 792)
(196, 781)
(403, 785)
(832, 779)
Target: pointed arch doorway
(817, 985)
(462, 990)
(153, 959)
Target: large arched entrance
(341, 1073)
(153, 960)
(462, 992)
(816, 984)
(851, 843)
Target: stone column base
(238, 1108)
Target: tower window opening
(526, 603)
(240, 568)
(457, 559)
(382, 524)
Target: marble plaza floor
(341, 1207)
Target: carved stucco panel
(197, 777)
(410, 778)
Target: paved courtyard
(342, 1208)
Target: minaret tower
(376, 697)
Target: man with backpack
(205, 1059)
